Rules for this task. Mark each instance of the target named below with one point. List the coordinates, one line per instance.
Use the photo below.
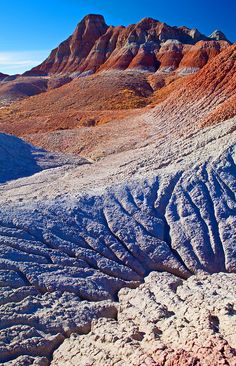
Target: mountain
(148, 45)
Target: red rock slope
(205, 98)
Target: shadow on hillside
(17, 158)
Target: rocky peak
(196, 35)
(217, 35)
(94, 18)
(147, 23)
(91, 24)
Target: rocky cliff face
(148, 45)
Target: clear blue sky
(31, 28)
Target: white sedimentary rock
(166, 321)
(73, 234)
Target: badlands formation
(94, 46)
(118, 247)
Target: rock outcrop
(148, 45)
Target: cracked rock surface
(166, 321)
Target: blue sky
(31, 28)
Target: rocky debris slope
(148, 45)
(72, 237)
(82, 102)
(166, 321)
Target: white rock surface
(166, 321)
(73, 234)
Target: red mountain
(148, 45)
